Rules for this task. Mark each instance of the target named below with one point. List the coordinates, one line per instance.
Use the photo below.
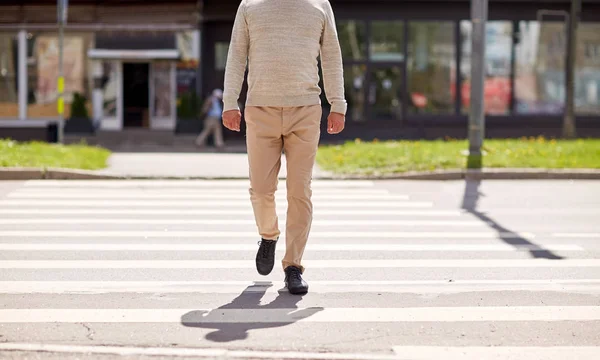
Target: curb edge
(440, 175)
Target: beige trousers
(296, 131)
(212, 125)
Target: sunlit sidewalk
(178, 165)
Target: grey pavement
(397, 269)
(177, 165)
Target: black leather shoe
(294, 282)
(265, 257)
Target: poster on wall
(47, 53)
(162, 89)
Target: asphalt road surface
(397, 270)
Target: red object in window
(419, 100)
(496, 95)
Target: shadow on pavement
(470, 199)
(231, 325)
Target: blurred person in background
(281, 41)
(212, 110)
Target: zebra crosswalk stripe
(252, 247)
(587, 286)
(312, 314)
(317, 264)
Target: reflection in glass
(354, 81)
(353, 39)
(42, 72)
(384, 92)
(221, 52)
(9, 100)
(431, 67)
(587, 68)
(161, 78)
(497, 66)
(387, 41)
(540, 67)
(110, 84)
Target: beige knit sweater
(280, 41)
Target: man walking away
(281, 41)
(212, 110)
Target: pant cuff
(287, 264)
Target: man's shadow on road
(233, 321)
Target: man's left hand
(335, 123)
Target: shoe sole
(301, 292)
(298, 292)
(264, 273)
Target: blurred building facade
(135, 62)
(141, 64)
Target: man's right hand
(232, 119)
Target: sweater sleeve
(236, 60)
(331, 63)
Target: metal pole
(479, 10)
(569, 128)
(62, 9)
(61, 84)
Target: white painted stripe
(141, 196)
(292, 315)
(121, 221)
(317, 264)
(188, 352)
(150, 191)
(195, 211)
(591, 286)
(183, 183)
(498, 352)
(146, 221)
(253, 235)
(535, 211)
(578, 235)
(253, 247)
(203, 203)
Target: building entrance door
(136, 90)
(385, 91)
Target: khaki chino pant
(296, 131)
(212, 125)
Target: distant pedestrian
(281, 41)
(212, 111)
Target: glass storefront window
(387, 41)
(587, 69)
(161, 78)
(353, 39)
(42, 72)
(497, 89)
(354, 81)
(188, 43)
(9, 94)
(540, 67)
(431, 67)
(385, 92)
